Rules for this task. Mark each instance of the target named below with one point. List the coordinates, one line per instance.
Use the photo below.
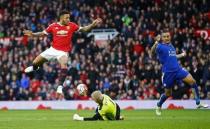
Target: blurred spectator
(24, 82)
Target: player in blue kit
(171, 69)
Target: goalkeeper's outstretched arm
(94, 118)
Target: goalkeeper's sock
(162, 100)
(196, 93)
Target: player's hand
(28, 33)
(183, 53)
(157, 38)
(77, 117)
(97, 21)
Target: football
(81, 88)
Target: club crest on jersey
(172, 53)
(62, 32)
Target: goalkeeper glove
(77, 117)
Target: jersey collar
(167, 44)
(60, 24)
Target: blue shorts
(170, 78)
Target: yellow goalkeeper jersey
(108, 109)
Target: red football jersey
(62, 35)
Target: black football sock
(62, 77)
(35, 67)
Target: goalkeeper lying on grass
(107, 109)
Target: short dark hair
(165, 30)
(63, 12)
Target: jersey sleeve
(74, 26)
(94, 118)
(158, 48)
(48, 29)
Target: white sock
(60, 89)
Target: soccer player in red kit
(62, 32)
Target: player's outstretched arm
(157, 39)
(31, 34)
(183, 54)
(94, 118)
(91, 26)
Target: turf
(135, 119)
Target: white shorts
(52, 54)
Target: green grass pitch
(135, 119)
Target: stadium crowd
(124, 69)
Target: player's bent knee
(63, 60)
(63, 63)
(191, 80)
(63, 66)
(168, 93)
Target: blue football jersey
(167, 56)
